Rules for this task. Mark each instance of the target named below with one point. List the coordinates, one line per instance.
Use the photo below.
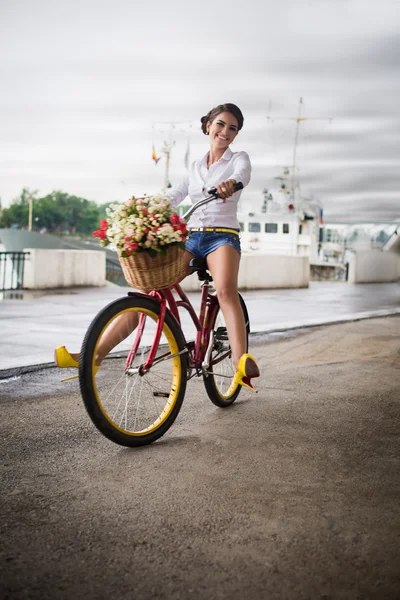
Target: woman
(220, 168)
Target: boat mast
(298, 120)
(296, 137)
(167, 148)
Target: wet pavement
(291, 494)
(32, 327)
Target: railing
(12, 266)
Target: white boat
(286, 223)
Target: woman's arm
(242, 169)
(178, 193)
(241, 172)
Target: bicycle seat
(200, 265)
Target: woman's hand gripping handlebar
(213, 196)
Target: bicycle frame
(208, 309)
(200, 358)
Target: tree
(17, 214)
(57, 212)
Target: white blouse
(231, 165)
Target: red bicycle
(134, 397)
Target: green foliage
(18, 212)
(57, 212)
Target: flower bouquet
(149, 238)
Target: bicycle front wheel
(219, 379)
(132, 406)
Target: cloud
(87, 84)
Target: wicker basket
(145, 273)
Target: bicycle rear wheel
(129, 406)
(219, 383)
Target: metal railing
(12, 266)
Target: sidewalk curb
(377, 314)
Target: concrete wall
(373, 266)
(265, 271)
(46, 269)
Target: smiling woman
(213, 236)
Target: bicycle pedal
(221, 333)
(69, 378)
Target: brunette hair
(214, 112)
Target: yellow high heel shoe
(64, 360)
(247, 369)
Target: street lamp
(30, 200)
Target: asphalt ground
(292, 493)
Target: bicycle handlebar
(213, 196)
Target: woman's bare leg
(224, 266)
(123, 326)
(115, 333)
(187, 270)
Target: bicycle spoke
(131, 405)
(219, 378)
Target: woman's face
(222, 130)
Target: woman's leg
(115, 333)
(187, 270)
(224, 267)
(123, 326)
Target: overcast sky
(86, 86)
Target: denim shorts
(202, 243)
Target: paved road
(290, 494)
(32, 328)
